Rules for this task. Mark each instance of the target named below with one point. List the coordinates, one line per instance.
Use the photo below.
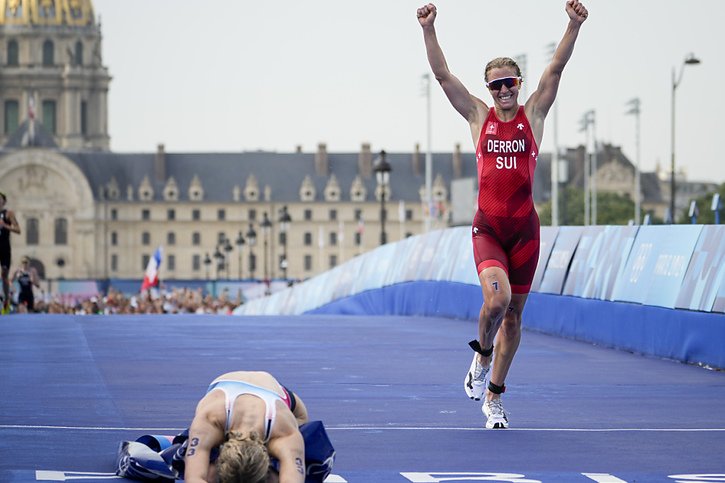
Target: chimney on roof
(160, 164)
(415, 160)
(322, 166)
(365, 161)
(298, 149)
(457, 162)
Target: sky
(240, 75)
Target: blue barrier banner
(452, 245)
(657, 264)
(547, 237)
(719, 304)
(585, 261)
(615, 244)
(430, 255)
(706, 271)
(404, 262)
(464, 267)
(561, 255)
(375, 269)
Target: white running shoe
(495, 415)
(475, 382)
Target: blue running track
(389, 390)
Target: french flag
(151, 277)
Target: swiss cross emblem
(492, 128)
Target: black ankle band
(476, 346)
(496, 389)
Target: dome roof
(46, 12)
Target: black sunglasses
(509, 82)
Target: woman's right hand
(427, 15)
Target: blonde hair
(501, 62)
(243, 459)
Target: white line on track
(378, 428)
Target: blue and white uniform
(233, 389)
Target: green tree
(704, 204)
(612, 209)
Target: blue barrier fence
(656, 290)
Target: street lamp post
(266, 229)
(219, 259)
(382, 173)
(284, 221)
(207, 263)
(634, 105)
(590, 169)
(252, 241)
(240, 243)
(689, 60)
(227, 249)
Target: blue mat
(389, 390)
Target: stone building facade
(87, 212)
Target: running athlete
(8, 224)
(252, 417)
(26, 276)
(505, 228)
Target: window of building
(61, 231)
(358, 238)
(171, 214)
(32, 236)
(308, 214)
(333, 261)
(408, 215)
(221, 214)
(308, 263)
(196, 215)
(48, 53)
(196, 238)
(307, 239)
(252, 215)
(84, 118)
(145, 214)
(78, 54)
(196, 262)
(282, 238)
(114, 262)
(144, 261)
(333, 238)
(220, 238)
(145, 238)
(114, 214)
(12, 53)
(114, 238)
(171, 238)
(358, 214)
(333, 215)
(171, 262)
(12, 112)
(49, 119)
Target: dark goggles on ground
(509, 82)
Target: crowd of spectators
(173, 301)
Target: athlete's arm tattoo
(300, 466)
(193, 442)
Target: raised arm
(466, 104)
(538, 105)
